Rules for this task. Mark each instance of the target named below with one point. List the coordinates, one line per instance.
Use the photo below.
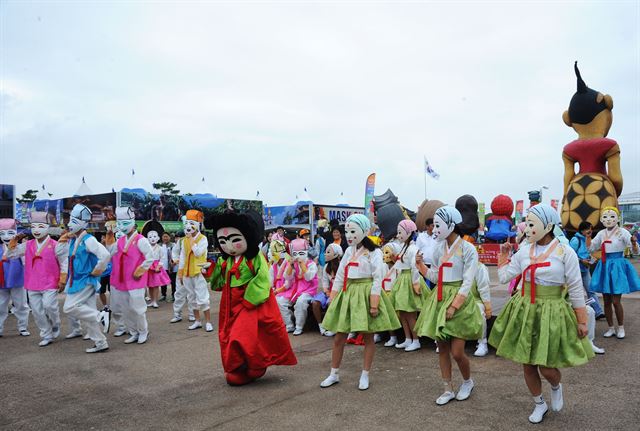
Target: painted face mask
(299, 249)
(276, 250)
(76, 225)
(231, 241)
(354, 233)
(387, 254)
(540, 220)
(333, 251)
(153, 237)
(39, 230)
(191, 227)
(609, 218)
(126, 226)
(80, 217)
(405, 230)
(6, 235)
(444, 222)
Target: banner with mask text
(369, 190)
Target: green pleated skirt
(544, 333)
(349, 310)
(465, 324)
(403, 297)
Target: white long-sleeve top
(407, 260)
(620, 240)
(483, 283)
(426, 244)
(176, 251)
(564, 269)
(370, 265)
(159, 253)
(327, 278)
(312, 270)
(198, 248)
(164, 256)
(61, 251)
(465, 265)
(143, 245)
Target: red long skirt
(253, 338)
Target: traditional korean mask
(126, 226)
(405, 230)
(299, 250)
(444, 222)
(39, 230)
(6, 235)
(153, 237)
(540, 220)
(231, 240)
(192, 227)
(118, 235)
(387, 254)
(333, 251)
(609, 218)
(276, 250)
(354, 233)
(76, 225)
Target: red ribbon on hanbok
(532, 280)
(443, 265)
(384, 280)
(346, 274)
(235, 269)
(603, 250)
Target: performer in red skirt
(251, 331)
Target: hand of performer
(582, 330)
(373, 311)
(64, 237)
(450, 312)
(139, 272)
(505, 249)
(586, 262)
(97, 272)
(419, 258)
(417, 289)
(62, 282)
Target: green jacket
(257, 280)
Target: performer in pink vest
(158, 276)
(131, 257)
(45, 274)
(300, 287)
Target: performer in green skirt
(356, 303)
(540, 328)
(450, 315)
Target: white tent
(83, 190)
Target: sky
(278, 96)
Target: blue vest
(13, 272)
(83, 263)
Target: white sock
(620, 326)
(538, 399)
(365, 373)
(555, 388)
(448, 387)
(335, 371)
(468, 381)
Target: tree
(166, 188)
(28, 196)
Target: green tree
(166, 188)
(28, 196)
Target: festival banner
(368, 196)
(519, 210)
(481, 214)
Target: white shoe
(464, 391)
(290, 329)
(143, 337)
(377, 338)
(445, 398)
(538, 413)
(392, 342)
(404, 344)
(208, 327)
(610, 333)
(620, 333)
(73, 334)
(331, 380)
(415, 345)
(154, 305)
(195, 325)
(322, 330)
(596, 349)
(104, 317)
(86, 337)
(98, 348)
(175, 319)
(192, 318)
(119, 332)
(351, 335)
(26, 333)
(298, 331)
(55, 332)
(329, 334)
(132, 339)
(482, 350)
(556, 399)
(45, 342)
(363, 385)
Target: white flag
(429, 170)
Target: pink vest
(124, 263)
(41, 270)
(300, 285)
(278, 282)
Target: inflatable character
(598, 183)
(499, 224)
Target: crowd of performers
(428, 284)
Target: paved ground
(175, 382)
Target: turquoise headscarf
(361, 220)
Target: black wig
(249, 223)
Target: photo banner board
(7, 201)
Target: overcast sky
(276, 96)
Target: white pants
(46, 313)
(591, 323)
(18, 296)
(300, 308)
(116, 312)
(81, 306)
(133, 307)
(197, 292)
(180, 298)
(484, 324)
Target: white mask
(300, 256)
(191, 227)
(126, 226)
(441, 230)
(76, 225)
(7, 235)
(402, 234)
(153, 237)
(354, 233)
(231, 241)
(609, 219)
(535, 229)
(39, 230)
